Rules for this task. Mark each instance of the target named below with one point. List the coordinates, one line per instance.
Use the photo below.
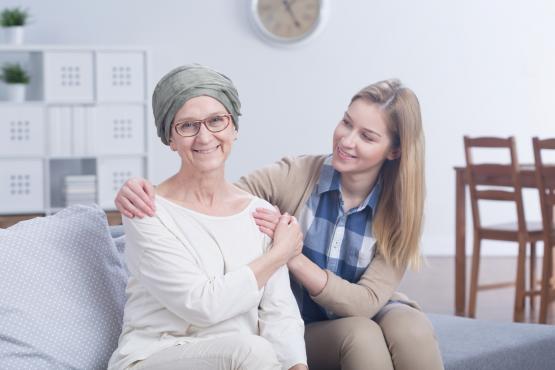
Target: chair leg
(547, 268)
(532, 274)
(474, 272)
(518, 313)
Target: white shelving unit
(85, 113)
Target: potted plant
(13, 20)
(16, 79)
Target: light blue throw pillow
(62, 292)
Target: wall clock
(288, 22)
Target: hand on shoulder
(136, 198)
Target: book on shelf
(80, 189)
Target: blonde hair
(397, 224)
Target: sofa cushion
(63, 291)
(468, 344)
(119, 237)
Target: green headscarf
(184, 83)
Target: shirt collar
(330, 180)
(329, 177)
(373, 198)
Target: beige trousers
(234, 352)
(398, 337)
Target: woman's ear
(394, 153)
(172, 146)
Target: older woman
(205, 290)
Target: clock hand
(290, 11)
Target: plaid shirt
(334, 240)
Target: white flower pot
(16, 92)
(14, 35)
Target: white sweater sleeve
(280, 321)
(169, 270)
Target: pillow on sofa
(62, 284)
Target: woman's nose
(203, 133)
(348, 140)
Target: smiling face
(361, 140)
(207, 151)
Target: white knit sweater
(189, 281)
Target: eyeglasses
(215, 123)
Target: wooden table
(528, 180)
(114, 218)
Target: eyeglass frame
(229, 116)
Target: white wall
(478, 67)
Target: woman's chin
(340, 164)
(209, 164)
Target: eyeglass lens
(214, 124)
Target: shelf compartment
(32, 64)
(22, 131)
(120, 76)
(60, 168)
(118, 130)
(68, 76)
(21, 185)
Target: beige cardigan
(288, 184)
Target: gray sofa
(487, 345)
(62, 291)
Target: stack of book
(80, 189)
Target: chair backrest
(494, 181)
(545, 178)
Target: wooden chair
(545, 178)
(483, 186)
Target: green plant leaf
(13, 73)
(12, 17)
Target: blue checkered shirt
(334, 240)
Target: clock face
(287, 20)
